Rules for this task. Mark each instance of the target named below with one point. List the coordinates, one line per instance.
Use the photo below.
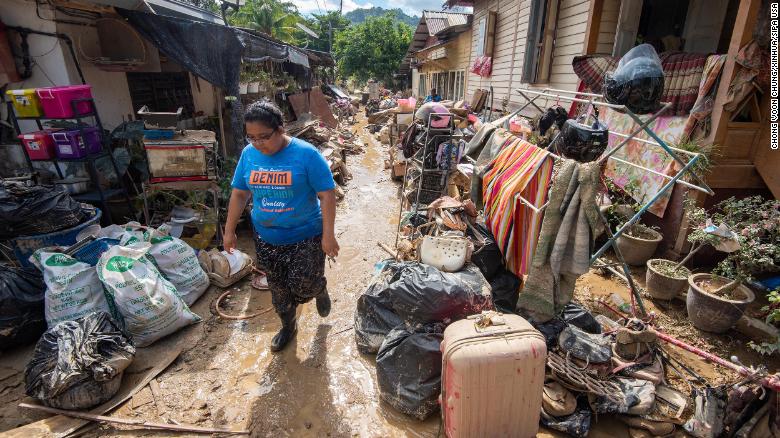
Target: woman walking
(293, 214)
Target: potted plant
(716, 301)
(243, 81)
(263, 79)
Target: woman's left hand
(330, 246)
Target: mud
(320, 386)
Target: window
(449, 84)
(540, 41)
(162, 92)
(486, 30)
(422, 89)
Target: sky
(411, 7)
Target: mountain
(360, 15)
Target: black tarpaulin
(213, 52)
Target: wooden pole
(139, 423)
(220, 95)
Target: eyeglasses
(259, 138)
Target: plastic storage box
(69, 144)
(39, 144)
(56, 101)
(25, 246)
(25, 102)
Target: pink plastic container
(39, 144)
(56, 100)
(69, 144)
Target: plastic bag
(149, 304)
(505, 288)
(27, 211)
(21, 306)
(178, 263)
(576, 424)
(73, 288)
(638, 80)
(78, 364)
(422, 294)
(408, 369)
(579, 317)
(487, 256)
(374, 317)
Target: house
(439, 50)
(532, 43)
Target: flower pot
(659, 284)
(711, 313)
(254, 87)
(242, 87)
(638, 250)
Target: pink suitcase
(492, 379)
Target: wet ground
(319, 386)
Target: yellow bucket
(25, 102)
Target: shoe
(323, 304)
(557, 400)
(286, 333)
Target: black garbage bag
(408, 369)
(374, 317)
(422, 294)
(577, 424)
(550, 330)
(22, 315)
(26, 211)
(78, 364)
(487, 256)
(579, 317)
(505, 288)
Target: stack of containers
(57, 103)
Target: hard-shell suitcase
(492, 378)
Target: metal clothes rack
(418, 159)
(644, 125)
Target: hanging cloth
(571, 223)
(520, 168)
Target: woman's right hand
(229, 241)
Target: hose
(235, 317)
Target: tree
(373, 49)
(320, 23)
(358, 16)
(272, 17)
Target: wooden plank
(148, 363)
(577, 26)
(735, 176)
(313, 102)
(569, 8)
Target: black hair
(264, 112)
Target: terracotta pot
(713, 314)
(637, 251)
(661, 286)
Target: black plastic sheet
(22, 318)
(422, 294)
(487, 256)
(79, 364)
(577, 424)
(408, 369)
(505, 288)
(29, 211)
(374, 317)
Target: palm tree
(272, 17)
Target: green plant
(772, 317)
(707, 153)
(756, 222)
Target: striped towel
(522, 169)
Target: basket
(228, 281)
(25, 246)
(432, 180)
(91, 252)
(426, 196)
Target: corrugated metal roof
(438, 21)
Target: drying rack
(597, 100)
(447, 134)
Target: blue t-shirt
(284, 186)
